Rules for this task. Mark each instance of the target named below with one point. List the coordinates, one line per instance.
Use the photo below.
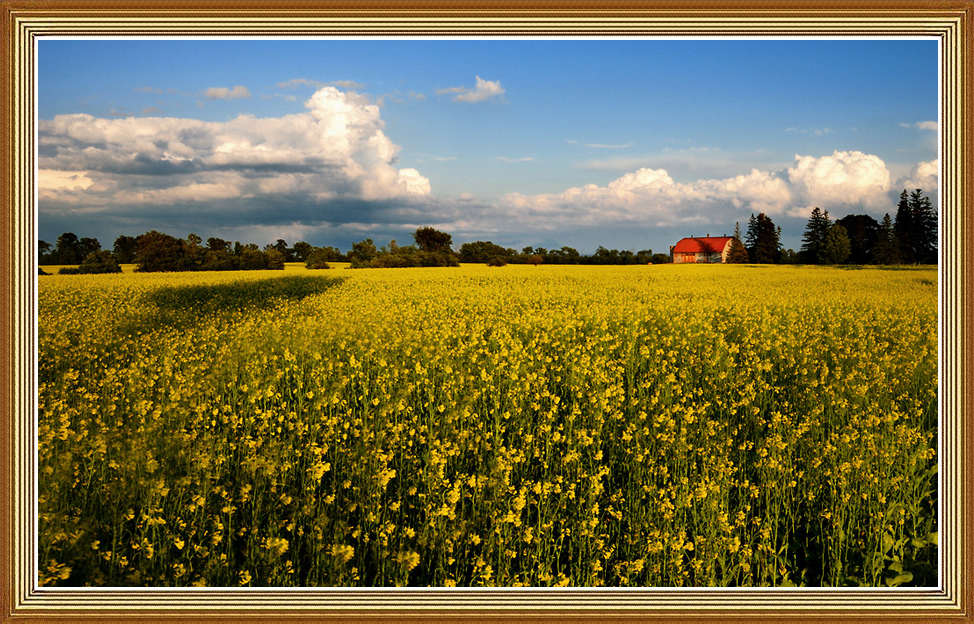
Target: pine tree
(751, 238)
(836, 246)
(816, 230)
(885, 250)
(903, 227)
(737, 254)
(766, 248)
(924, 220)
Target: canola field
(663, 425)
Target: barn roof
(703, 244)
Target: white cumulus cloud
(925, 175)
(651, 197)
(337, 150)
(482, 90)
(843, 178)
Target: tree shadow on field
(239, 295)
(182, 306)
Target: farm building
(702, 249)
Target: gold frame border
(23, 22)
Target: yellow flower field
(661, 425)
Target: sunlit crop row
(635, 426)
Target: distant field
(662, 425)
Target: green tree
(836, 246)
(155, 251)
(275, 259)
(751, 236)
(862, 230)
(766, 245)
(194, 252)
(252, 258)
(218, 260)
(334, 253)
(643, 256)
(480, 251)
(903, 227)
(886, 249)
(124, 249)
(789, 256)
(430, 239)
(217, 244)
(302, 250)
(816, 230)
(67, 250)
(88, 246)
(363, 252)
(923, 218)
(99, 262)
(317, 259)
(281, 246)
(737, 254)
(44, 252)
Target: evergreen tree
(903, 227)
(737, 254)
(766, 248)
(751, 238)
(789, 256)
(836, 246)
(924, 220)
(816, 230)
(862, 231)
(886, 251)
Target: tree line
(858, 239)
(854, 239)
(155, 251)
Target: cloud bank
(327, 163)
(332, 170)
(844, 181)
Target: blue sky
(626, 143)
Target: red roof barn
(703, 249)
